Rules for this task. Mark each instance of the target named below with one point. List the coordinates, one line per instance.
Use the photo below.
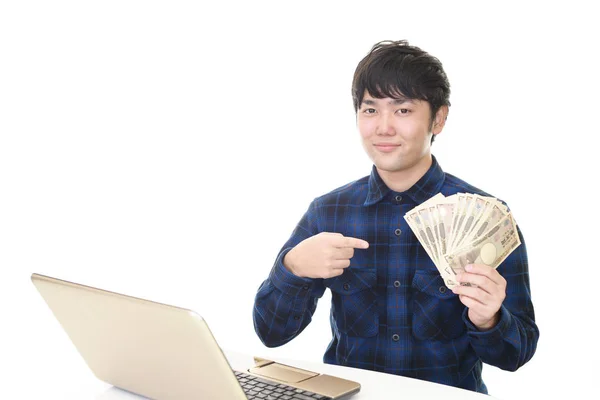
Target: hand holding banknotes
(482, 289)
(324, 255)
(467, 236)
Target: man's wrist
(288, 263)
(489, 324)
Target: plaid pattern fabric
(391, 311)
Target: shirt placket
(398, 285)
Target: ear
(439, 120)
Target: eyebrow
(395, 102)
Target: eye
(369, 111)
(403, 111)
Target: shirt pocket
(354, 302)
(437, 311)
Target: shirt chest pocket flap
(354, 302)
(437, 311)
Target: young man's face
(396, 133)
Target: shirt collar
(429, 185)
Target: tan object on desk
(160, 351)
(327, 385)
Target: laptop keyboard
(263, 389)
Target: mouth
(386, 147)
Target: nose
(385, 127)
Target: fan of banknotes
(463, 229)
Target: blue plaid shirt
(391, 311)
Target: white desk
(375, 385)
(40, 362)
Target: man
(390, 309)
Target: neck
(400, 181)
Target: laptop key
(264, 381)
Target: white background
(167, 149)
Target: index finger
(347, 241)
(485, 270)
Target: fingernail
(468, 267)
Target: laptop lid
(152, 349)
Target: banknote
(436, 221)
(491, 248)
(458, 218)
(445, 211)
(465, 220)
(427, 220)
(426, 236)
(416, 225)
(477, 207)
(488, 219)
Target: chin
(396, 164)
(391, 167)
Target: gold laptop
(165, 352)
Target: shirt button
(296, 317)
(396, 283)
(398, 198)
(395, 337)
(305, 287)
(397, 232)
(346, 286)
(442, 289)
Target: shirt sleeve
(285, 303)
(513, 341)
